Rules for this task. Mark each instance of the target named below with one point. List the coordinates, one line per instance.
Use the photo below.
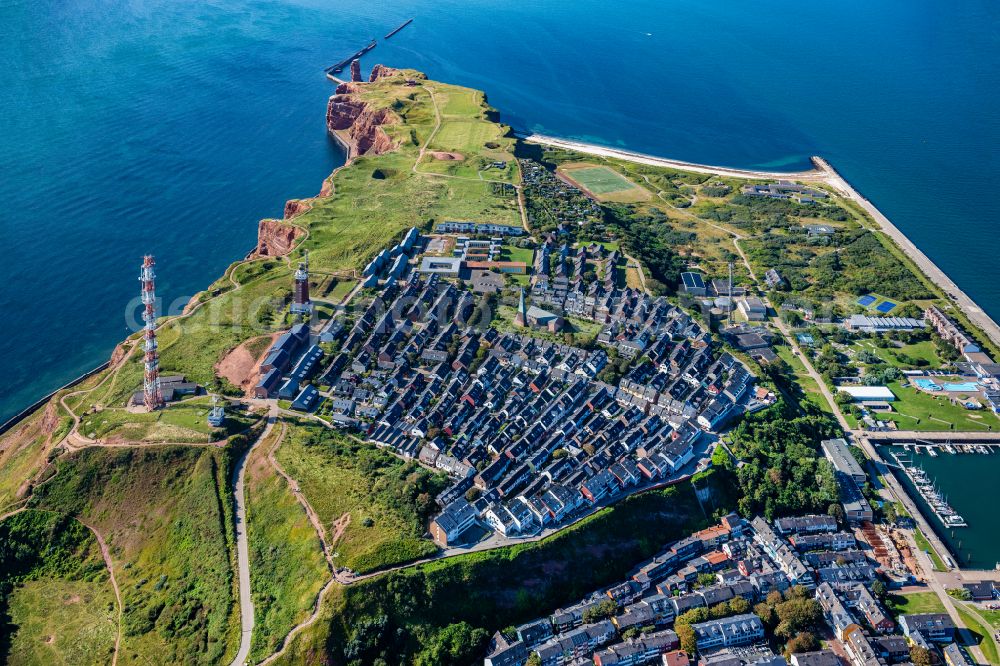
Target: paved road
(949, 606)
(243, 548)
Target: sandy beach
(823, 173)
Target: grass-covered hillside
(373, 506)
(286, 556)
(165, 514)
(441, 613)
(57, 605)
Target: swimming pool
(926, 384)
(967, 387)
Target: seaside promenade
(823, 173)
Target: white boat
(932, 452)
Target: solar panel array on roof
(866, 300)
(886, 306)
(693, 280)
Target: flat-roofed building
(866, 324)
(868, 393)
(447, 266)
(839, 454)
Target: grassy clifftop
(165, 515)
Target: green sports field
(604, 183)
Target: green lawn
(918, 350)
(991, 616)
(915, 602)
(600, 179)
(925, 545)
(917, 410)
(513, 253)
(983, 636)
(465, 135)
(341, 289)
(607, 245)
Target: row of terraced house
(526, 422)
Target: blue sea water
(171, 127)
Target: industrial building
(866, 324)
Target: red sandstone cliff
(380, 72)
(274, 238)
(295, 207)
(118, 354)
(357, 123)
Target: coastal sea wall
(976, 314)
(823, 173)
(30, 409)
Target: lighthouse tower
(152, 397)
(300, 299)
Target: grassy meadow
(287, 566)
(384, 501)
(165, 513)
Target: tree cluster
(783, 471)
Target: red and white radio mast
(152, 397)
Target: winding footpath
(106, 554)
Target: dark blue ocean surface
(172, 127)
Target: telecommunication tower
(152, 397)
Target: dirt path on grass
(519, 191)
(13, 512)
(304, 503)
(302, 626)
(317, 524)
(106, 554)
(632, 262)
(736, 236)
